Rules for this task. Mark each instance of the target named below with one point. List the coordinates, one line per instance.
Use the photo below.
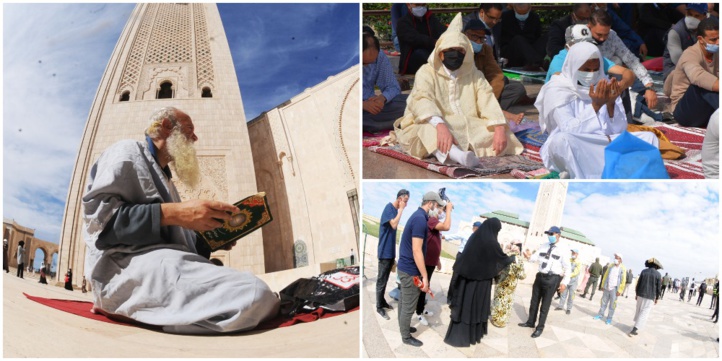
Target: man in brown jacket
(693, 86)
(506, 92)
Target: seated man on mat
(143, 259)
(582, 112)
(452, 113)
(693, 86)
(507, 92)
(379, 111)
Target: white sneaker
(423, 321)
(428, 313)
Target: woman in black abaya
(471, 302)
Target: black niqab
(482, 257)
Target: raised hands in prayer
(606, 92)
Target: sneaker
(569, 312)
(422, 320)
(558, 309)
(412, 329)
(412, 342)
(383, 314)
(428, 313)
(597, 317)
(609, 321)
(633, 332)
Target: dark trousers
(715, 315)
(21, 268)
(382, 279)
(385, 119)
(417, 58)
(422, 296)
(592, 281)
(714, 301)
(520, 51)
(699, 299)
(696, 107)
(542, 292)
(662, 295)
(408, 297)
(512, 92)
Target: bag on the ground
(335, 290)
(628, 157)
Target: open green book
(253, 215)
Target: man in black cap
(553, 275)
(506, 92)
(411, 263)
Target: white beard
(184, 158)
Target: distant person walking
(715, 291)
(69, 280)
(691, 290)
(84, 288)
(613, 283)
(595, 271)
(6, 267)
(665, 284)
(702, 291)
(630, 278)
(648, 292)
(21, 258)
(568, 295)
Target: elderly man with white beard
(143, 259)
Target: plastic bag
(628, 157)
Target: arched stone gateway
(14, 233)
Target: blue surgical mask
(476, 47)
(712, 48)
(521, 17)
(552, 239)
(419, 11)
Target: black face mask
(453, 59)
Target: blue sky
(677, 222)
(55, 54)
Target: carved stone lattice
(204, 61)
(300, 254)
(134, 63)
(213, 185)
(170, 41)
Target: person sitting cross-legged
(452, 113)
(379, 111)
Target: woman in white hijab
(581, 110)
(452, 113)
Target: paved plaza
(674, 328)
(34, 330)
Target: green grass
(446, 255)
(372, 229)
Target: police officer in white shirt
(554, 270)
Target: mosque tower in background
(548, 211)
(170, 55)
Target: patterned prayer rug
(489, 165)
(689, 139)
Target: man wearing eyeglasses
(553, 275)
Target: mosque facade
(178, 55)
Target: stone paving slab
(674, 328)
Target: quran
(254, 213)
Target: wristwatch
(649, 88)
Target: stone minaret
(170, 55)
(548, 212)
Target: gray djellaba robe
(152, 273)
